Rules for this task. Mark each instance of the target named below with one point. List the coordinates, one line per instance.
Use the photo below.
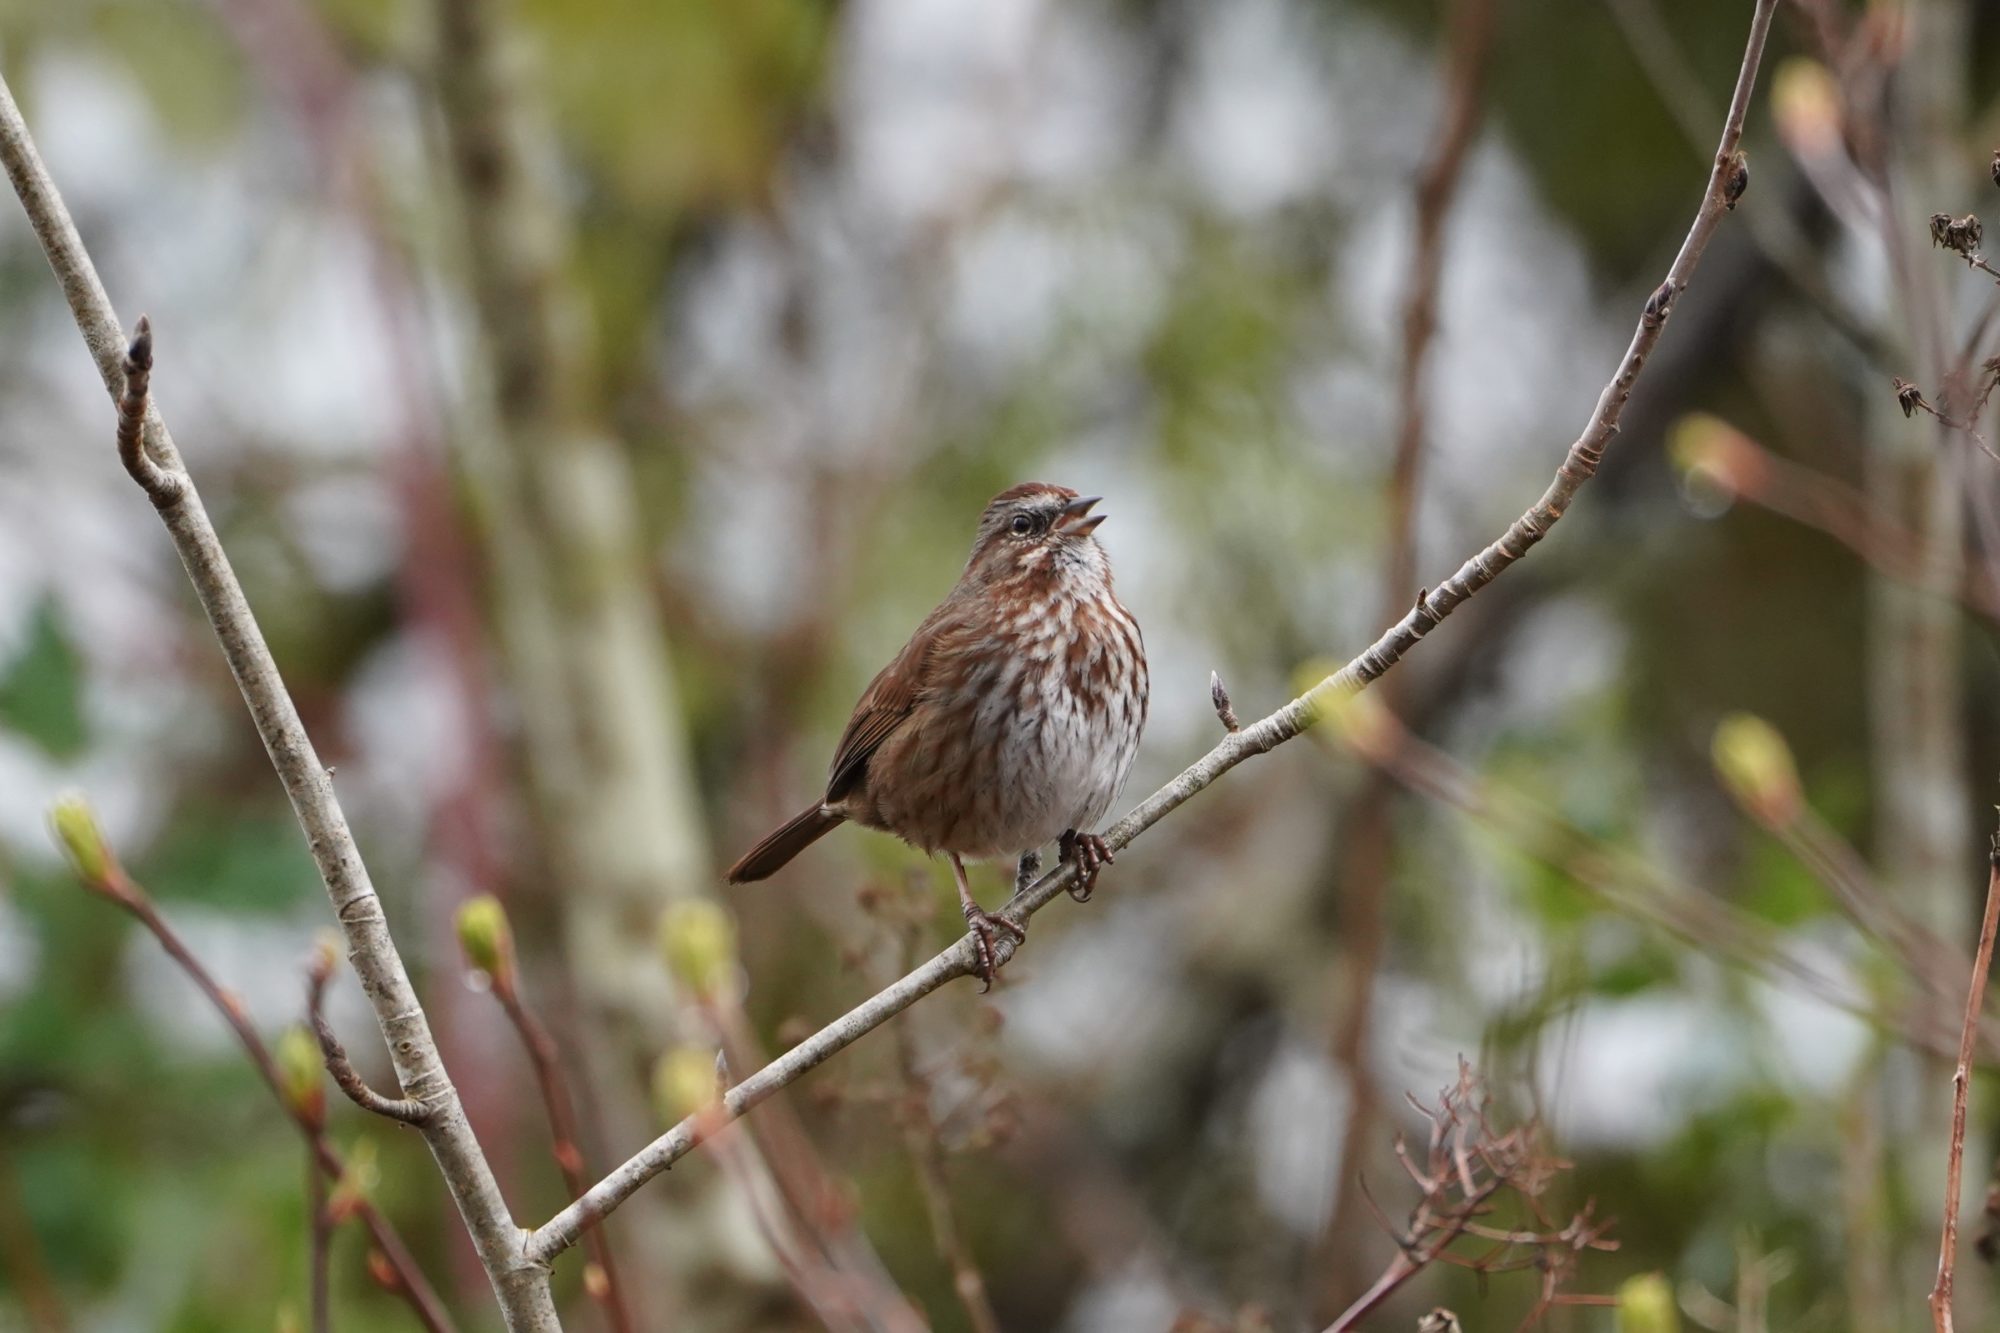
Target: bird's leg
(1028, 871)
(982, 924)
(1090, 854)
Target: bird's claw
(983, 925)
(1088, 852)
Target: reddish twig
(1624, 883)
(319, 1227)
(26, 1266)
(546, 1060)
(1364, 919)
(1470, 27)
(109, 880)
(1468, 1164)
(1961, 1078)
(921, 1141)
(1743, 469)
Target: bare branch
(1471, 26)
(319, 1226)
(403, 1110)
(1468, 1165)
(162, 487)
(101, 873)
(521, 1286)
(1578, 466)
(1960, 1080)
(546, 1061)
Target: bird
(1009, 720)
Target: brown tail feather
(763, 860)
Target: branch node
(403, 1110)
(162, 487)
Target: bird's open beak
(1074, 518)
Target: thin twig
(403, 1110)
(1960, 1081)
(1471, 27)
(921, 1141)
(1578, 466)
(161, 486)
(410, 1282)
(546, 1060)
(1363, 936)
(1776, 233)
(1747, 470)
(521, 1286)
(1625, 883)
(319, 1227)
(26, 1265)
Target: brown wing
(888, 700)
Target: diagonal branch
(1578, 466)
(1940, 1301)
(98, 868)
(522, 1288)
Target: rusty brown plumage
(1008, 721)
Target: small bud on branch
(75, 827)
(684, 1083)
(1646, 1305)
(487, 940)
(300, 1075)
(1736, 180)
(698, 941)
(1756, 765)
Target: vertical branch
(603, 746)
(487, 938)
(1367, 848)
(1470, 33)
(546, 1060)
(100, 872)
(927, 1161)
(926, 1152)
(320, 1231)
(521, 1286)
(25, 1265)
(1960, 1080)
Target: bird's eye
(1022, 525)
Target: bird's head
(1038, 526)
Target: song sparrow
(1010, 718)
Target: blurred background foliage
(826, 277)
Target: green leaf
(41, 692)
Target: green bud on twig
(1646, 1305)
(487, 939)
(358, 1179)
(75, 827)
(301, 1071)
(698, 940)
(1756, 765)
(684, 1083)
(1364, 722)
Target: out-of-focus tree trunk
(586, 660)
(1924, 840)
